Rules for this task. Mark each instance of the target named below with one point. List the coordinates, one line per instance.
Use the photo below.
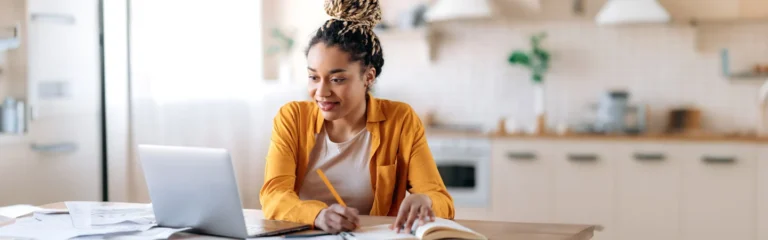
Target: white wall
(471, 82)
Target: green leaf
(537, 78)
(521, 58)
(542, 54)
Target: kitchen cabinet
(718, 191)
(658, 189)
(716, 10)
(753, 9)
(466, 213)
(585, 184)
(648, 186)
(522, 181)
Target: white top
(347, 167)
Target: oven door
(466, 180)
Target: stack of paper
(88, 220)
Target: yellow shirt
(400, 161)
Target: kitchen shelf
(746, 75)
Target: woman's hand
(415, 207)
(337, 218)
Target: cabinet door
(648, 186)
(522, 181)
(718, 193)
(762, 194)
(465, 213)
(585, 185)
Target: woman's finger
(351, 214)
(431, 215)
(402, 215)
(412, 217)
(424, 215)
(347, 225)
(333, 225)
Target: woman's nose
(323, 89)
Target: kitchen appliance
(464, 166)
(614, 115)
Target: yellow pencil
(330, 187)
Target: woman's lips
(327, 106)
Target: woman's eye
(337, 80)
(313, 78)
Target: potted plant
(537, 61)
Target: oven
(464, 166)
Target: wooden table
(492, 230)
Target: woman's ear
(370, 77)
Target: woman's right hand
(337, 218)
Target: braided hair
(351, 29)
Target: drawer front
(585, 184)
(522, 181)
(648, 191)
(719, 191)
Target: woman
(372, 150)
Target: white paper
(88, 214)
(15, 211)
(52, 211)
(154, 233)
(42, 226)
(381, 232)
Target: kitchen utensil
(684, 120)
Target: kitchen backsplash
(664, 66)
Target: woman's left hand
(415, 207)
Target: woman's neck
(341, 130)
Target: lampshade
(443, 10)
(631, 12)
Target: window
(185, 50)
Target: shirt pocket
(386, 177)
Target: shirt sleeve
(423, 176)
(278, 197)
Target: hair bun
(366, 12)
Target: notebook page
(440, 222)
(381, 232)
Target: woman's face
(337, 84)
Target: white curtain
(197, 81)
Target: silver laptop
(196, 187)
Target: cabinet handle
(650, 156)
(521, 155)
(65, 147)
(582, 157)
(726, 160)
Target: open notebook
(439, 229)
